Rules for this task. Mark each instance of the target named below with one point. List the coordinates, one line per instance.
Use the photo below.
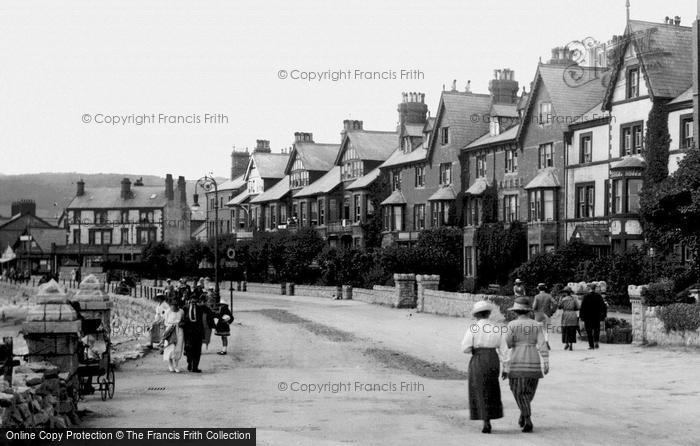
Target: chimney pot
(454, 85)
(169, 190)
(182, 189)
(677, 20)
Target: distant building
(28, 242)
(115, 223)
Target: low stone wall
(455, 304)
(39, 397)
(379, 295)
(131, 317)
(329, 292)
(647, 328)
(264, 288)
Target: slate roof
(274, 193)
(595, 235)
(233, 184)
(239, 199)
(456, 110)
(547, 178)
(110, 198)
(323, 185)
(478, 187)
(314, 157)
(445, 193)
(414, 129)
(487, 139)
(504, 110)
(396, 197)
(365, 180)
(687, 95)
(399, 158)
(666, 58)
(269, 165)
(369, 145)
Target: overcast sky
(68, 62)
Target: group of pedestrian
(184, 321)
(520, 351)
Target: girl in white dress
(175, 343)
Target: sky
(172, 86)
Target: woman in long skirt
(569, 318)
(484, 340)
(527, 360)
(224, 318)
(176, 341)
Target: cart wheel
(110, 382)
(103, 388)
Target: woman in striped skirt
(527, 360)
(485, 341)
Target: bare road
(313, 371)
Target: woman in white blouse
(175, 339)
(484, 339)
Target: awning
(396, 197)
(478, 187)
(546, 179)
(594, 235)
(444, 194)
(239, 199)
(630, 162)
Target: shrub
(680, 317)
(503, 303)
(662, 293)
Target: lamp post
(208, 183)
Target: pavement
(414, 392)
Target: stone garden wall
(455, 304)
(379, 295)
(647, 328)
(329, 292)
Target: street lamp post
(207, 183)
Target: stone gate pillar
(94, 301)
(425, 282)
(51, 329)
(638, 314)
(405, 289)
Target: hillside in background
(59, 188)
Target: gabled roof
(569, 98)
(313, 156)
(20, 221)
(323, 185)
(268, 165)
(445, 193)
(546, 179)
(457, 109)
(665, 53)
(369, 145)
(487, 139)
(365, 180)
(110, 198)
(399, 158)
(396, 197)
(278, 191)
(233, 184)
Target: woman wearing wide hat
(527, 360)
(485, 341)
(569, 318)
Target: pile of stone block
(40, 396)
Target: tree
(377, 192)
(155, 258)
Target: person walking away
(173, 336)
(485, 341)
(527, 360)
(569, 318)
(542, 307)
(193, 325)
(593, 310)
(223, 321)
(519, 288)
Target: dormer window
(298, 177)
(632, 83)
(494, 126)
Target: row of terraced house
(565, 156)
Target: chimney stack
(262, 146)
(126, 189)
(23, 207)
(80, 190)
(503, 87)
(303, 137)
(677, 20)
(169, 190)
(182, 189)
(239, 162)
(413, 109)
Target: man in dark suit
(593, 311)
(194, 321)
